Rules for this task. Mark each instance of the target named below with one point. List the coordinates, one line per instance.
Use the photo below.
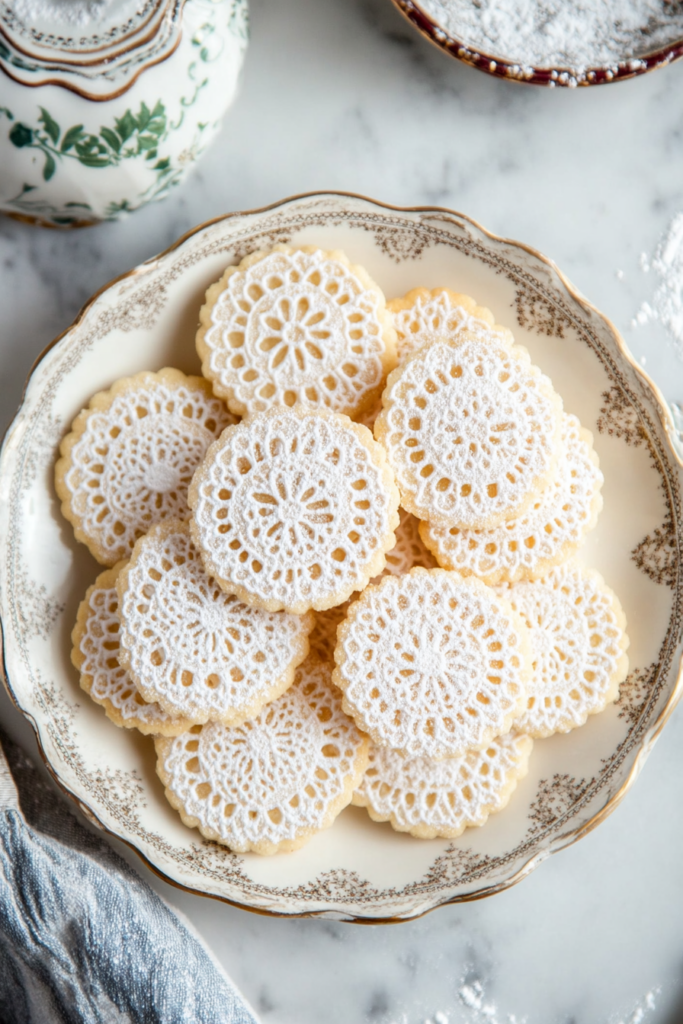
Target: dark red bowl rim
(499, 67)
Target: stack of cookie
(302, 613)
(512, 639)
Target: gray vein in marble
(345, 95)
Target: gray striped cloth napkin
(83, 939)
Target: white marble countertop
(345, 95)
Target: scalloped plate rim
(649, 737)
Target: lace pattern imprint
(130, 457)
(472, 432)
(195, 649)
(95, 652)
(431, 799)
(578, 642)
(546, 535)
(296, 326)
(271, 783)
(422, 317)
(294, 509)
(432, 664)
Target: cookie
(408, 552)
(96, 646)
(323, 636)
(296, 326)
(431, 799)
(423, 316)
(432, 664)
(368, 416)
(578, 642)
(193, 648)
(130, 457)
(294, 509)
(268, 785)
(471, 431)
(546, 535)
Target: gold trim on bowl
(94, 98)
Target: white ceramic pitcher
(103, 109)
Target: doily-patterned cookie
(294, 509)
(546, 535)
(432, 664)
(433, 799)
(408, 552)
(472, 432)
(422, 317)
(130, 457)
(193, 648)
(296, 326)
(95, 640)
(272, 783)
(578, 643)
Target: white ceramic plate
(356, 869)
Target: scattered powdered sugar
(73, 12)
(573, 34)
(677, 415)
(641, 1011)
(666, 305)
(473, 997)
(476, 1007)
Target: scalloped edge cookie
(407, 477)
(227, 392)
(265, 847)
(297, 606)
(416, 745)
(363, 797)
(453, 302)
(171, 726)
(101, 402)
(432, 536)
(299, 650)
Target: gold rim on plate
(667, 421)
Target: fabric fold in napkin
(83, 939)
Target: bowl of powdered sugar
(554, 42)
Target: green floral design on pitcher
(132, 135)
(138, 135)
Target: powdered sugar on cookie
(433, 799)
(294, 509)
(272, 783)
(547, 534)
(422, 317)
(472, 432)
(296, 326)
(130, 457)
(95, 653)
(193, 648)
(432, 664)
(579, 643)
